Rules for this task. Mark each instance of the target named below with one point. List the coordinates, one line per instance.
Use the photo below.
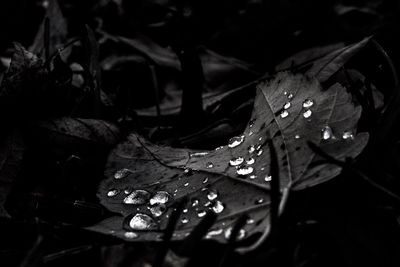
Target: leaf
(307, 56)
(58, 30)
(324, 68)
(76, 133)
(231, 191)
(11, 154)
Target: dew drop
(251, 149)
(236, 161)
(251, 123)
(268, 178)
(287, 105)
(184, 220)
(218, 207)
(244, 170)
(205, 180)
(130, 235)
(290, 96)
(141, 221)
(348, 135)
(122, 173)
(297, 136)
(213, 233)
(308, 103)
(250, 221)
(208, 204)
(160, 197)
(198, 154)
(284, 114)
(259, 201)
(209, 165)
(201, 213)
(112, 192)
(186, 185)
(326, 133)
(211, 195)
(218, 148)
(285, 93)
(251, 133)
(195, 202)
(259, 152)
(187, 171)
(252, 177)
(240, 235)
(185, 210)
(157, 210)
(260, 139)
(235, 141)
(307, 114)
(128, 190)
(250, 161)
(137, 197)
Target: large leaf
(11, 154)
(235, 179)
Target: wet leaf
(325, 67)
(234, 179)
(11, 154)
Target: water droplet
(122, 173)
(348, 135)
(285, 93)
(240, 235)
(236, 161)
(157, 210)
(187, 171)
(218, 207)
(262, 168)
(244, 170)
(185, 210)
(198, 154)
(141, 222)
(251, 123)
(201, 213)
(251, 149)
(259, 201)
(259, 152)
(128, 190)
(130, 235)
(307, 114)
(214, 233)
(209, 165)
(186, 184)
(195, 202)
(290, 96)
(308, 103)
(260, 139)
(137, 197)
(268, 178)
(250, 161)
(208, 204)
(211, 195)
(252, 177)
(235, 141)
(297, 136)
(160, 197)
(287, 105)
(220, 147)
(250, 133)
(205, 180)
(250, 221)
(326, 133)
(112, 192)
(184, 220)
(284, 114)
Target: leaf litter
(235, 179)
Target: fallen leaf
(11, 154)
(234, 179)
(325, 67)
(76, 133)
